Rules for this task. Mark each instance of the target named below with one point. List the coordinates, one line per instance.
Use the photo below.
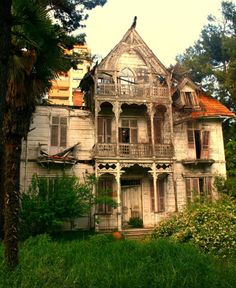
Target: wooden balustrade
(139, 150)
(133, 91)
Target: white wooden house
(151, 140)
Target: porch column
(154, 177)
(116, 111)
(119, 210)
(151, 116)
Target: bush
(211, 226)
(49, 202)
(136, 222)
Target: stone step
(137, 234)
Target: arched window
(126, 76)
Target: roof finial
(134, 22)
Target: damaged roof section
(67, 156)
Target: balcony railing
(137, 91)
(105, 149)
(135, 150)
(164, 150)
(139, 150)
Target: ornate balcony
(139, 150)
(136, 91)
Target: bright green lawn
(103, 262)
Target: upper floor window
(190, 99)
(58, 131)
(126, 76)
(104, 130)
(128, 132)
(198, 140)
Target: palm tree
(5, 23)
(36, 56)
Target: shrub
(51, 201)
(211, 226)
(136, 222)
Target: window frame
(194, 187)
(58, 131)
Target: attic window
(189, 99)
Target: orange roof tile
(211, 107)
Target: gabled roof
(132, 40)
(187, 81)
(210, 107)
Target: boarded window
(59, 131)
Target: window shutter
(190, 134)
(158, 130)
(188, 189)
(149, 129)
(108, 130)
(208, 187)
(205, 145)
(133, 135)
(120, 135)
(161, 195)
(109, 193)
(195, 187)
(152, 198)
(100, 130)
(63, 136)
(54, 135)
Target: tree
(211, 61)
(36, 56)
(5, 43)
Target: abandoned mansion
(151, 140)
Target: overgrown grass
(103, 262)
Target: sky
(167, 26)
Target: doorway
(131, 199)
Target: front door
(131, 200)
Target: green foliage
(230, 155)
(226, 186)
(103, 262)
(211, 226)
(211, 61)
(136, 222)
(51, 201)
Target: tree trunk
(11, 201)
(5, 42)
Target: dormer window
(190, 99)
